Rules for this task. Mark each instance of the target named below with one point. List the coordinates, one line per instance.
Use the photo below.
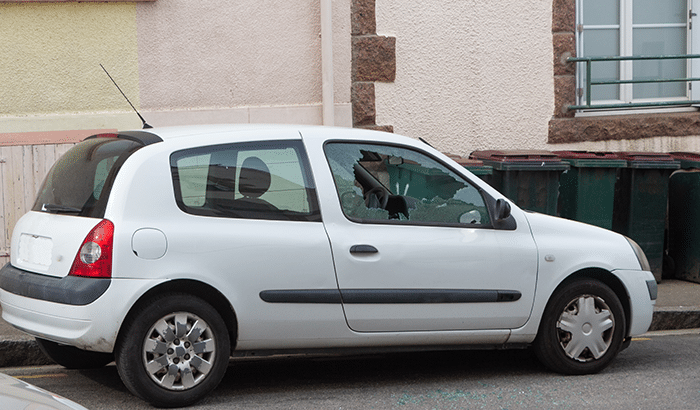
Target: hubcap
(585, 328)
(179, 351)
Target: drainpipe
(327, 62)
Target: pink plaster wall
(217, 54)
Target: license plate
(35, 250)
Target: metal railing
(589, 83)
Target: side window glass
(273, 176)
(193, 172)
(101, 174)
(252, 180)
(377, 182)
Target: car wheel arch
(195, 288)
(607, 278)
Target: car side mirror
(395, 160)
(502, 209)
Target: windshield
(80, 181)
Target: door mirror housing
(502, 209)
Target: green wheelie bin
(475, 166)
(684, 219)
(530, 178)
(641, 202)
(587, 189)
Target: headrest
(254, 179)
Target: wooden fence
(22, 171)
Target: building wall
(243, 61)
(178, 61)
(491, 75)
(469, 75)
(246, 61)
(643, 130)
(50, 64)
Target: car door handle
(355, 249)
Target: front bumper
(642, 297)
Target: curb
(675, 318)
(21, 352)
(26, 352)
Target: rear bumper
(69, 290)
(93, 326)
(59, 323)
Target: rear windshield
(80, 181)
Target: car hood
(580, 245)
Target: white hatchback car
(171, 249)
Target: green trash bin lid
(649, 160)
(521, 160)
(592, 159)
(475, 166)
(687, 159)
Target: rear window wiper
(60, 209)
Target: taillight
(94, 259)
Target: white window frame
(625, 29)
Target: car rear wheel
(73, 358)
(582, 328)
(174, 351)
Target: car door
(415, 247)
(253, 228)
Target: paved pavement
(677, 307)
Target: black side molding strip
(389, 296)
(69, 290)
(301, 296)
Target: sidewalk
(677, 307)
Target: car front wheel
(174, 351)
(582, 328)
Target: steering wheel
(380, 193)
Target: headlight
(641, 257)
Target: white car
(16, 394)
(171, 249)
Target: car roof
(307, 132)
(168, 133)
(215, 133)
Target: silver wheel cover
(585, 328)
(179, 351)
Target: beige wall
(244, 61)
(470, 75)
(479, 74)
(178, 61)
(212, 54)
(51, 55)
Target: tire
(582, 329)
(174, 351)
(73, 358)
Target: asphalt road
(660, 370)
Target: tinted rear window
(80, 181)
(260, 180)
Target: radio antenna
(145, 124)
